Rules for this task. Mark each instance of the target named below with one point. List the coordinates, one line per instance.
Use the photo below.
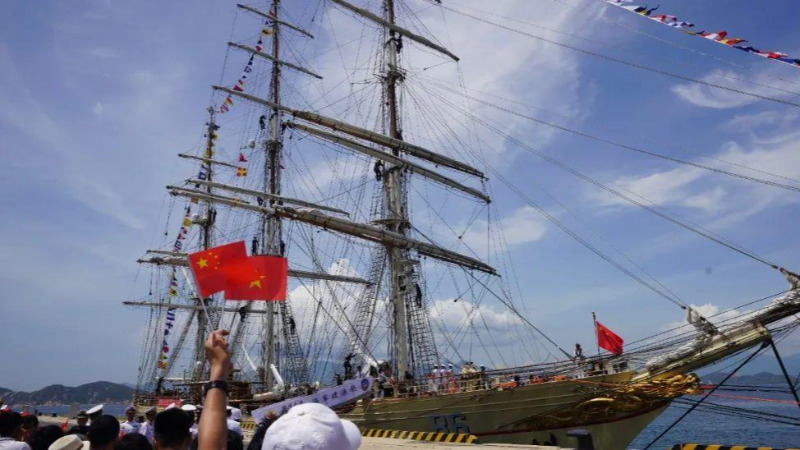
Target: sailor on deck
(130, 425)
(440, 378)
(578, 353)
(147, 427)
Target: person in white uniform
(130, 425)
(95, 412)
(147, 427)
(232, 424)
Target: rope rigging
(650, 208)
(623, 62)
(625, 146)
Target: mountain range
(97, 392)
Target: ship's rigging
(377, 302)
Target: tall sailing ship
(326, 175)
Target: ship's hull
(534, 414)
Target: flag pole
(197, 294)
(597, 341)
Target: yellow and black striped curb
(722, 447)
(248, 425)
(431, 436)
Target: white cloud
(709, 311)
(710, 97)
(454, 314)
(750, 123)
(726, 199)
(97, 109)
(523, 226)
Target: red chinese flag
(210, 266)
(261, 277)
(608, 340)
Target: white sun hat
(68, 442)
(311, 426)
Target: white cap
(229, 408)
(170, 406)
(189, 408)
(150, 409)
(236, 414)
(130, 407)
(68, 442)
(95, 410)
(311, 426)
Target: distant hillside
(767, 363)
(97, 392)
(748, 380)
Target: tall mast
(396, 202)
(272, 231)
(205, 242)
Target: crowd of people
(214, 425)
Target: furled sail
(362, 133)
(402, 31)
(271, 58)
(364, 231)
(180, 259)
(386, 157)
(262, 194)
(272, 18)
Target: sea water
(705, 427)
(114, 409)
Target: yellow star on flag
(203, 263)
(256, 283)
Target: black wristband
(220, 384)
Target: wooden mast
(205, 243)
(272, 231)
(396, 203)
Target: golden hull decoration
(609, 406)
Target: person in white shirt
(232, 424)
(10, 431)
(147, 427)
(440, 375)
(130, 425)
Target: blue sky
(99, 96)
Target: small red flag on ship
(607, 339)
